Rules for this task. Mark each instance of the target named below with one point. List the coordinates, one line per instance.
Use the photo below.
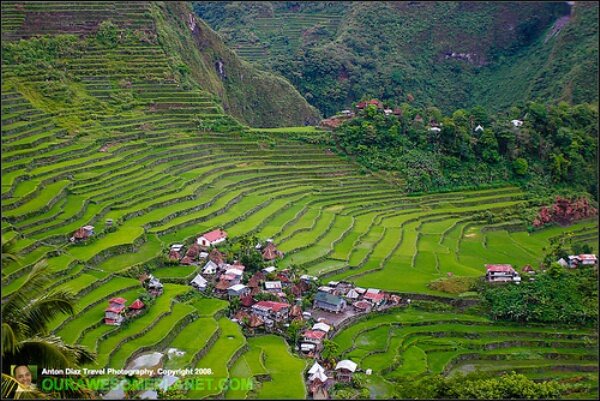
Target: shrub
(453, 285)
(431, 306)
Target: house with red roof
(114, 314)
(375, 298)
(212, 238)
(312, 341)
(271, 310)
(135, 308)
(582, 260)
(270, 252)
(501, 273)
(362, 306)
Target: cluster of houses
(321, 380)
(117, 311)
(337, 296)
(574, 261)
(337, 120)
(500, 273)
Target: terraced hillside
(93, 132)
(413, 344)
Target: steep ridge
(446, 54)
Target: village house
(528, 269)
(273, 286)
(154, 286)
(216, 257)
(328, 290)
(582, 260)
(516, 123)
(347, 113)
(210, 268)
(191, 256)
(247, 301)
(238, 290)
(319, 382)
(199, 282)
(362, 306)
(271, 310)
(345, 370)
(135, 308)
(269, 270)
(232, 278)
(312, 341)
(308, 279)
(284, 279)
(212, 238)
(329, 302)
(352, 294)
(256, 280)
(325, 328)
(479, 128)
(82, 233)
(222, 286)
(175, 251)
(377, 298)
(256, 321)
(235, 271)
(113, 315)
(271, 253)
(362, 105)
(395, 299)
(501, 273)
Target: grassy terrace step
(180, 316)
(229, 343)
(161, 308)
(285, 369)
(99, 295)
(191, 340)
(163, 181)
(52, 193)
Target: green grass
(286, 370)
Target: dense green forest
(555, 146)
(445, 54)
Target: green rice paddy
(163, 180)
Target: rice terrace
(153, 221)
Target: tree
(108, 34)
(520, 166)
(330, 351)
(293, 330)
(26, 314)
(8, 252)
(234, 305)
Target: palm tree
(25, 317)
(8, 252)
(10, 386)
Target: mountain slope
(447, 54)
(254, 96)
(245, 92)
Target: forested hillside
(445, 54)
